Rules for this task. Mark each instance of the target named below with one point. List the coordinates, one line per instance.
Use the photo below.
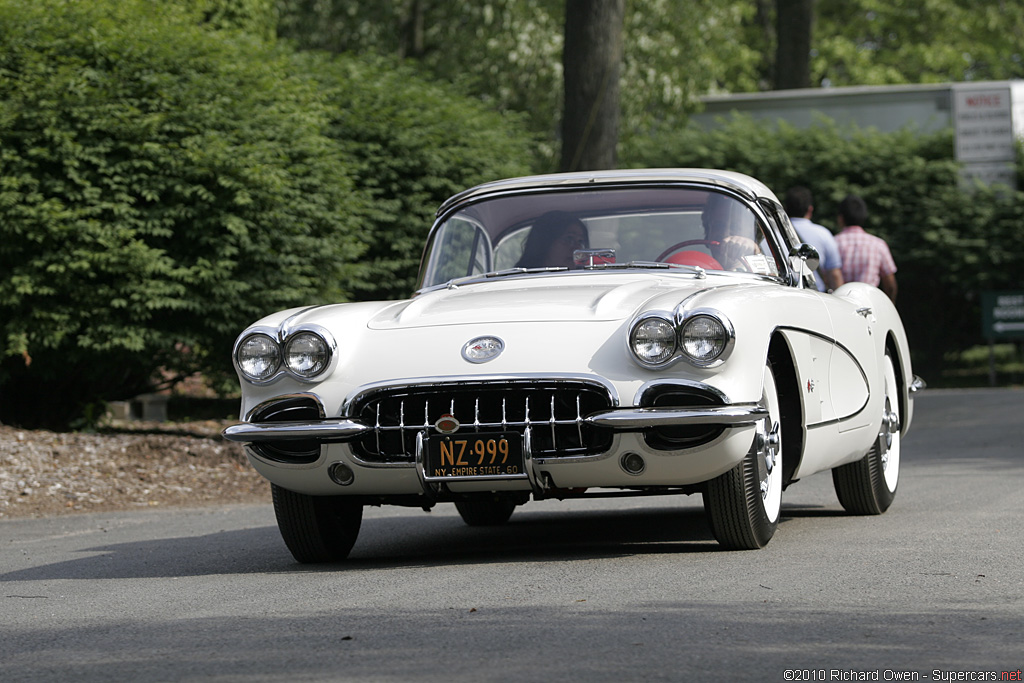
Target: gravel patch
(131, 465)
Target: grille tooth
(554, 437)
(489, 406)
(579, 419)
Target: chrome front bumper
(624, 419)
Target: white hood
(553, 298)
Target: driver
(552, 241)
(731, 226)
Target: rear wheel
(868, 486)
(316, 528)
(743, 504)
(485, 512)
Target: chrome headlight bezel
(245, 354)
(282, 340)
(680, 323)
(306, 363)
(725, 337)
(642, 326)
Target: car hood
(552, 298)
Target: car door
(831, 342)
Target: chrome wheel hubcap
(768, 453)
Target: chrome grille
(553, 411)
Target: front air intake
(290, 409)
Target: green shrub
(950, 242)
(161, 186)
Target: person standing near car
(866, 258)
(799, 208)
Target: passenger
(552, 241)
(866, 258)
(799, 208)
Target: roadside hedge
(950, 240)
(165, 182)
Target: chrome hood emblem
(447, 424)
(482, 349)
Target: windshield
(599, 228)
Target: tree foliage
(950, 242)
(412, 144)
(508, 53)
(255, 17)
(871, 42)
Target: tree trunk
(794, 21)
(412, 41)
(592, 58)
(764, 20)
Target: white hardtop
(740, 183)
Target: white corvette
(608, 333)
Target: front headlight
(704, 339)
(306, 355)
(258, 357)
(653, 341)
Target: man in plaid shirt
(866, 258)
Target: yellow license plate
(475, 455)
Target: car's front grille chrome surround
(554, 412)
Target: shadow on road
(413, 540)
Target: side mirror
(807, 254)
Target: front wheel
(316, 528)
(868, 486)
(743, 504)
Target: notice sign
(983, 121)
(1002, 314)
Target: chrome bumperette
(631, 419)
(323, 430)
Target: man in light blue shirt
(798, 205)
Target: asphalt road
(615, 590)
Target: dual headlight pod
(305, 354)
(703, 338)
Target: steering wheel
(688, 243)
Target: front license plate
(476, 455)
